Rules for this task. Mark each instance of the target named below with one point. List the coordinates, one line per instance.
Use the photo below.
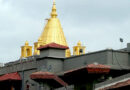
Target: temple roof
(10, 76)
(53, 45)
(114, 83)
(92, 68)
(47, 76)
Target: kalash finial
(54, 13)
(26, 43)
(79, 43)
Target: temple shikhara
(52, 33)
(50, 65)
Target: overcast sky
(98, 24)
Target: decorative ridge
(97, 66)
(53, 45)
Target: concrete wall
(53, 61)
(59, 53)
(128, 47)
(117, 58)
(79, 61)
(50, 64)
(17, 67)
(44, 53)
(129, 58)
(55, 65)
(42, 65)
(27, 80)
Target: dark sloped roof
(118, 85)
(47, 76)
(120, 81)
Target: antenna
(121, 40)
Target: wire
(117, 60)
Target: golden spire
(53, 31)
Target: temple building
(51, 65)
(52, 32)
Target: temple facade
(52, 66)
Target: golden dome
(53, 31)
